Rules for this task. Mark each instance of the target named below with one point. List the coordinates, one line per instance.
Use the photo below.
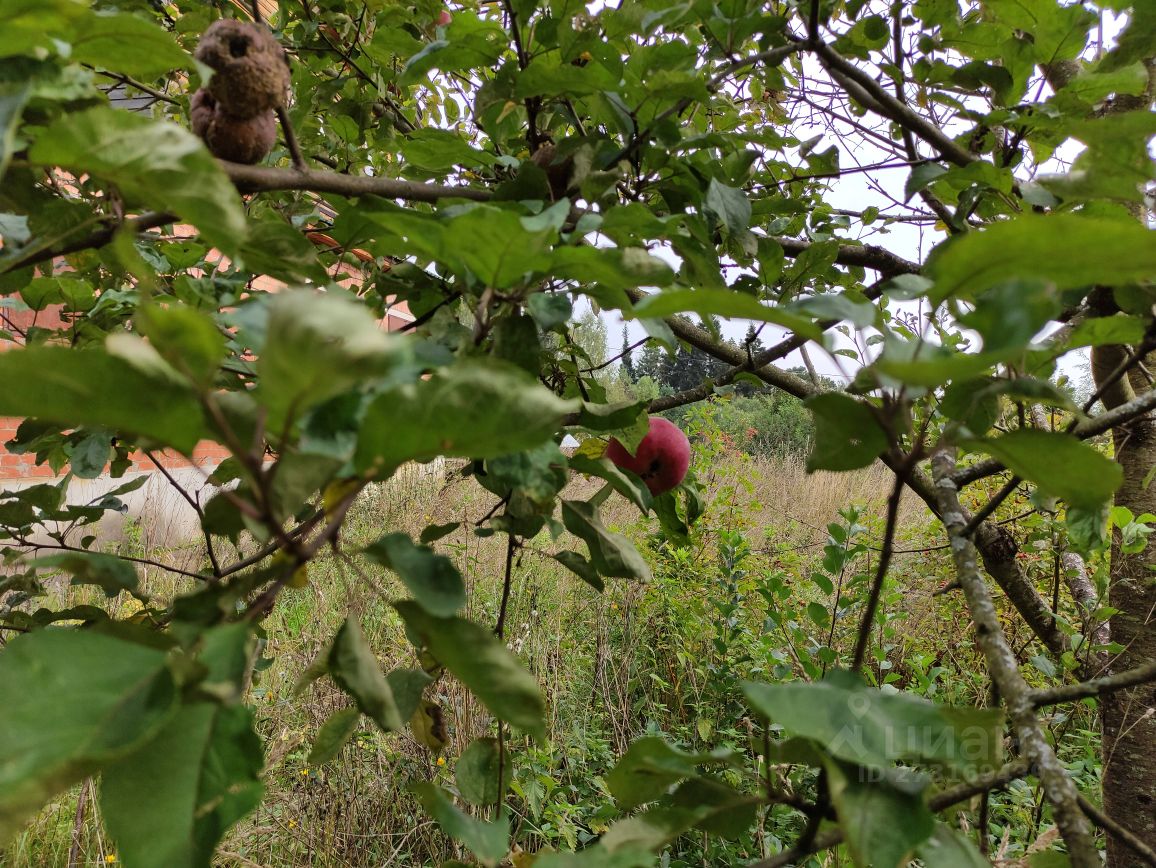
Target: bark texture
(1129, 716)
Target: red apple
(444, 18)
(662, 458)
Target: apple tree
(500, 168)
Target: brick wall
(206, 455)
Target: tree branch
(99, 238)
(1099, 424)
(1061, 793)
(880, 101)
(1095, 687)
(257, 179)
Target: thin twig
(992, 505)
(884, 562)
(507, 581)
(291, 140)
(78, 824)
(196, 507)
(1095, 687)
(64, 547)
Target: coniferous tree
(627, 360)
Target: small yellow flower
(441, 760)
(292, 824)
(304, 771)
(110, 858)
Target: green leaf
(883, 817)
(719, 302)
(874, 729)
(30, 24)
(91, 387)
(186, 338)
(582, 568)
(611, 553)
(818, 614)
(156, 163)
(1106, 330)
(1061, 465)
(597, 856)
(42, 292)
(439, 151)
(860, 313)
(949, 848)
(434, 532)
(652, 830)
(354, 667)
(488, 840)
(666, 508)
(317, 345)
(201, 775)
(88, 458)
(334, 733)
(650, 767)
(1136, 42)
(280, 250)
(482, 409)
(614, 417)
(972, 402)
(73, 702)
(109, 573)
(1067, 250)
(722, 810)
(121, 42)
(482, 663)
(407, 686)
(13, 97)
(921, 178)
(1087, 528)
(615, 267)
(550, 309)
(476, 773)
(730, 205)
(516, 341)
(847, 435)
(1007, 316)
(433, 579)
(628, 484)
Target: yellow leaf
(336, 492)
(428, 726)
(300, 577)
(592, 447)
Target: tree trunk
(1129, 716)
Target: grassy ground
(611, 666)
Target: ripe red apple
(662, 458)
(444, 18)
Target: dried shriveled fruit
(251, 71)
(241, 140)
(558, 170)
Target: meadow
(748, 598)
